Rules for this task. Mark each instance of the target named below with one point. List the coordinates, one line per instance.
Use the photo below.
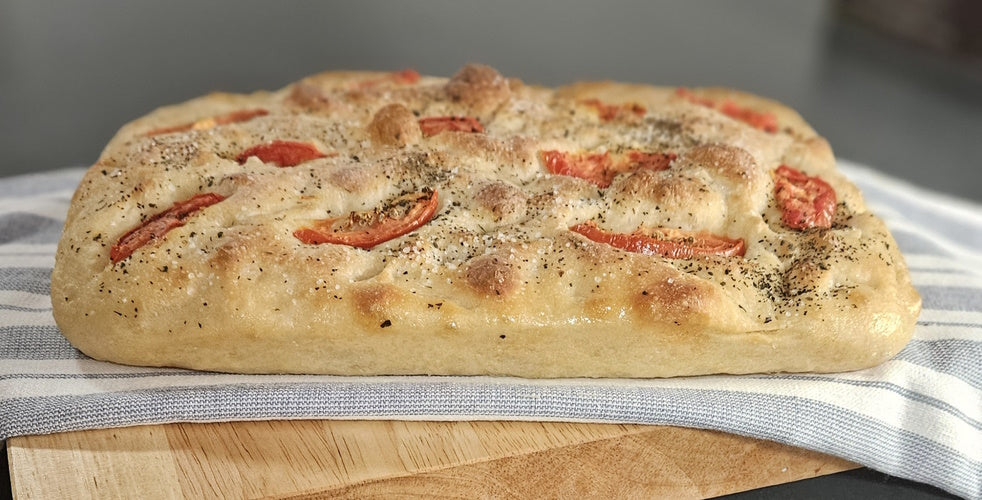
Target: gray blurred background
(893, 84)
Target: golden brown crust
(394, 125)
(731, 163)
(480, 89)
(503, 200)
(491, 275)
(495, 283)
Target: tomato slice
(404, 77)
(651, 161)
(158, 225)
(763, 121)
(757, 119)
(805, 201)
(368, 228)
(666, 242)
(694, 99)
(407, 76)
(594, 167)
(282, 153)
(601, 168)
(433, 125)
(609, 112)
(206, 123)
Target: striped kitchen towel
(918, 416)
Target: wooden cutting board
(385, 459)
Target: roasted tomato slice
(609, 112)
(601, 168)
(233, 117)
(158, 225)
(763, 121)
(671, 243)
(404, 77)
(407, 76)
(638, 160)
(805, 201)
(694, 99)
(282, 153)
(433, 125)
(368, 228)
(757, 119)
(594, 167)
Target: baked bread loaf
(363, 223)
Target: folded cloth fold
(918, 416)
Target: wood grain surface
(393, 459)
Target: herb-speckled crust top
(496, 283)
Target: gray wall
(72, 72)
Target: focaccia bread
(364, 223)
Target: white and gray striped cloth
(918, 416)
